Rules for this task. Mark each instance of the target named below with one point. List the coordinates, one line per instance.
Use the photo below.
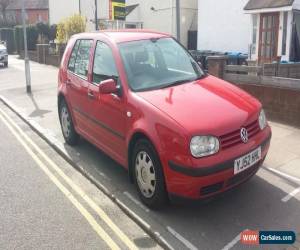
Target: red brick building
(36, 10)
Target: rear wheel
(67, 126)
(148, 173)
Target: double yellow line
(27, 143)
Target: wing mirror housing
(109, 87)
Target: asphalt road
(262, 203)
(46, 204)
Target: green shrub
(70, 26)
(32, 37)
(8, 35)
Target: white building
(58, 10)
(266, 29)
(159, 15)
(223, 26)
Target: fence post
(216, 65)
(42, 52)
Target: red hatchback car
(141, 98)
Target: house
(36, 11)
(86, 8)
(223, 26)
(267, 30)
(275, 32)
(161, 16)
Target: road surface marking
(290, 195)
(76, 188)
(232, 243)
(129, 196)
(179, 237)
(293, 178)
(91, 220)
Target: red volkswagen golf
(141, 98)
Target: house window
(284, 33)
(254, 33)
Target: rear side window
(104, 64)
(79, 59)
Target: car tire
(6, 64)
(67, 125)
(148, 175)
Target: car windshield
(158, 63)
(2, 47)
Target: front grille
(234, 138)
(211, 188)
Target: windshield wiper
(172, 84)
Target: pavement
(269, 201)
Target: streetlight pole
(26, 59)
(96, 15)
(178, 19)
(79, 7)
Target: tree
(3, 6)
(73, 25)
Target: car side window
(72, 59)
(104, 64)
(80, 64)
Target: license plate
(247, 161)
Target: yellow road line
(76, 188)
(91, 220)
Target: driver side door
(108, 110)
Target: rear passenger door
(78, 83)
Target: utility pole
(26, 59)
(79, 7)
(96, 15)
(178, 19)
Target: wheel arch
(136, 136)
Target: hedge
(32, 37)
(8, 35)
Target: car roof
(2, 46)
(120, 36)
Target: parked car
(142, 99)
(3, 55)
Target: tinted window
(72, 60)
(79, 60)
(104, 64)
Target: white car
(3, 55)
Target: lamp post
(178, 19)
(96, 15)
(26, 59)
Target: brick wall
(281, 104)
(34, 16)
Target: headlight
(262, 119)
(201, 146)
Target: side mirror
(108, 87)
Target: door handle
(68, 81)
(90, 95)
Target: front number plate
(247, 161)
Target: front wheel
(67, 126)
(148, 173)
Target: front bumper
(203, 182)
